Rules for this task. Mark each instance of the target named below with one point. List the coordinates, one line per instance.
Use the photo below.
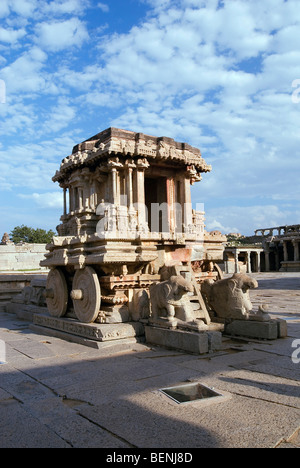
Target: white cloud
(36, 9)
(58, 117)
(24, 74)
(59, 35)
(103, 6)
(23, 8)
(45, 200)
(4, 8)
(11, 36)
(63, 7)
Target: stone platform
(269, 330)
(183, 340)
(88, 334)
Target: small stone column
(92, 196)
(113, 165)
(248, 258)
(65, 201)
(258, 261)
(139, 173)
(188, 209)
(171, 203)
(129, 186)
(285, 252)
(72, 203)
(80, 198)
(236, 261)
(267, 260)
(296, 250)
(114, 185)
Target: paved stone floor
(61, 395)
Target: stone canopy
(113, 141)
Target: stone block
(282, 328)
(190, 342)
(91, 331)
(252, 329)
(214, 340)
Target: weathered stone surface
(260, 330)
(21, 257)
(282, 328)
(95, 331)
(54, 393)
(197, 343)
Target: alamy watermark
(163, 217)
(296, 93)
(296, 353)
(2, 352)
(2, 92)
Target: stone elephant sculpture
(229, 298)
(167, 299)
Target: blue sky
(216, 74)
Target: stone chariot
(128, 225)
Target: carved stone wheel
(56, 293)
(86, 295)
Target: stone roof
(117, 142)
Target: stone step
(9, 292)
(6, 296)
(3, 306)
(90, 334)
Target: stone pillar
(65, 201)
(258, 262)
(139, 173)
(188, 210)
(285, 252)
(80, 198)
(113, 165)
(180, 198)
(114, 185)
(129, 187)
(248, 259)
(72, 203)
(171, 203)
(236, 261)
(267, 260)
(296, 250)
(92, 196)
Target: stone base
(87, 333)
(25, 311)
(191, 342)
(270, 330)
(290, 266)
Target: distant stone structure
(244, 259)
(281, 247)
(21, 257)
(6, 239)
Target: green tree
(31, 235)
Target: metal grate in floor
(191, 392)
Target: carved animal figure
(167, 295)
(229, 298)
